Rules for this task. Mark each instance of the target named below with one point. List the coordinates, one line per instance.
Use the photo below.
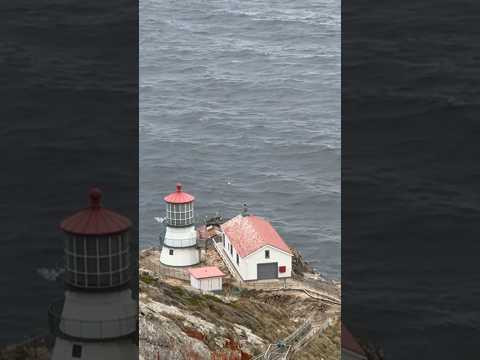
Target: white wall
(181, 257)
(258, 257)
(208, 284)
(100, 315)
(247, 266)
(180, 237)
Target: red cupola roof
(95, 220)
(179, 196)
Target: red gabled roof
(250, 233)
(179, 196)
(95, 220)
(349, 342)
(205, 272)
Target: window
(267, 254)
(77, 351)
(170, 251)
(231, 249)
(238, 260)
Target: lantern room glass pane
(104, 265)
(91, 246)
(115, 245)
(79, 246)
(92, 265)
(103, 246)
(80, 264)
(115, 263)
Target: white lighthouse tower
(180, 241)
(98, 317)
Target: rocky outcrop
(178, 322)
(299, 265)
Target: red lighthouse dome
(179, 196)
(95, 220)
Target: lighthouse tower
(98, 317)
(180, 241)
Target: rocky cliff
(178, 322)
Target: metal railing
(226, 261)
(180, 242)
(89, 329)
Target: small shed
(207, 278)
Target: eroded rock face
(160, 337)
(178, 322)
(299, 265)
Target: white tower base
(99, 325)
(180, 256)
(119, 350)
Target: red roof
(179, 196)
(250, 233)
(349, 342)
(205, 272)
(95, 220)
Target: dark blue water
(410, 176)
(69, 111)
(240, 101)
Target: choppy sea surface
(240, 102)
(410, 176)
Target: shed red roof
(250, 233)
(349, 342)
(179, 196)
(205, 272)
(95, 220)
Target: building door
(267, 271)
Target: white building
(207, 278)
(351, 350)
(98, 317)
(180, 241)
(255, 248)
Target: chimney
(245, 210)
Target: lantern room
(97, 253)
(179, 208)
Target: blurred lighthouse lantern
(180, 241)
(98, 317)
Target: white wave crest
(50, 274)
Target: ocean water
(69, 105)
(410, 175)
(240, 102)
